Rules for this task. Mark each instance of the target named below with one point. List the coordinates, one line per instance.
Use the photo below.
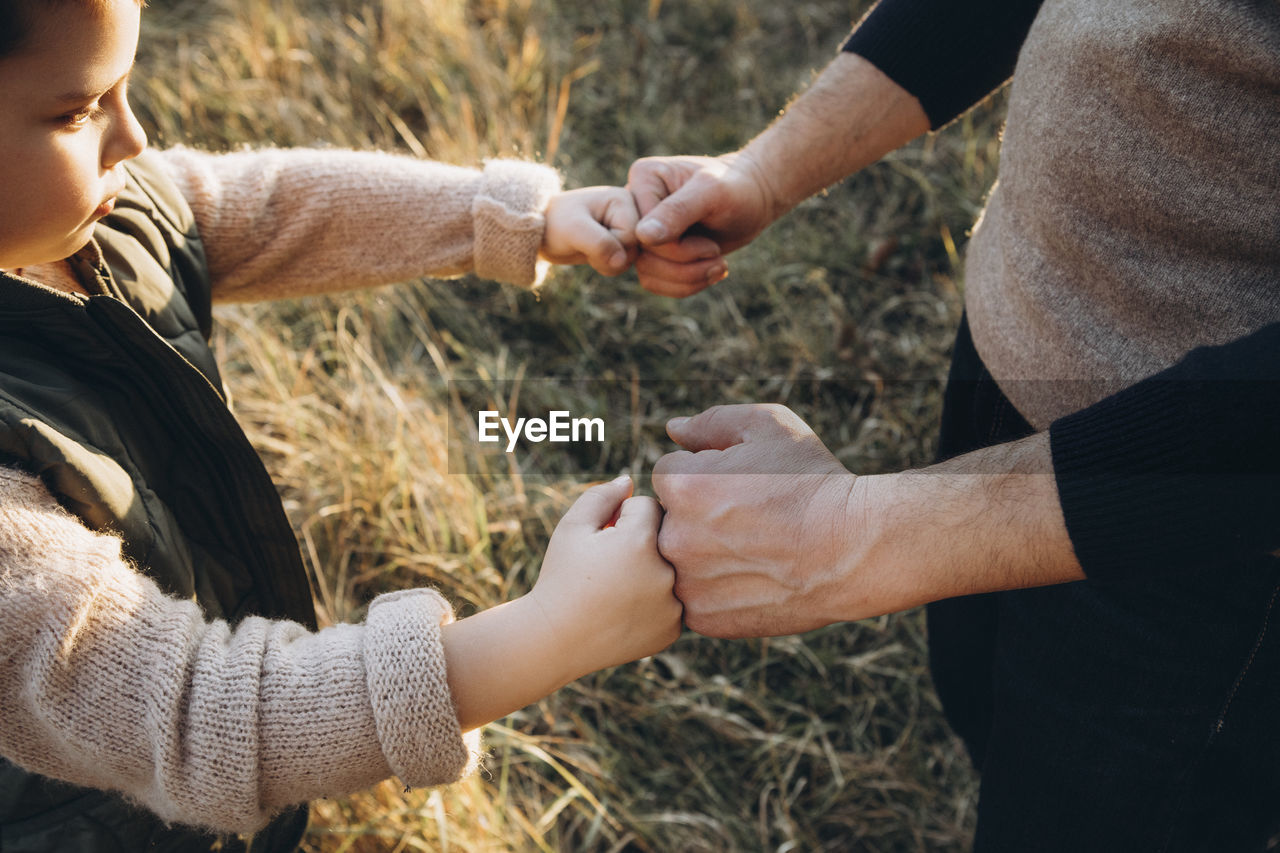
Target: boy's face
(65, 128)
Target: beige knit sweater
(107, 682)
(1136, 215)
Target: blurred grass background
(828, 741)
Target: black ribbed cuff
(948, 55)
(1172, 473)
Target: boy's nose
(127, 139)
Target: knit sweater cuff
(509, 221)
(416, 719)
(1177, 472)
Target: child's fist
(594, 225)
(604, 584)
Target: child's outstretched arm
(604, 597)
(279, 223)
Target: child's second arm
(108, 683)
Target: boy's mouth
(108, 204)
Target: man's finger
(720, 427)
(669, 278)
(717, 428)
(672, 464)
(673, 289)
(652, 179)
(688, 249)
(598, 505)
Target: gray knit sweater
(1137, 213)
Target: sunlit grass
(827, 741)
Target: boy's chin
(77, 242)
(69, 248)
(31, 256)
(37, 261)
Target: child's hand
(595, 225)
(605, 589)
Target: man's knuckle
(683, 590)
(671, 475)
(643, 166)
(672, 543)
(715, 413)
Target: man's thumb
(674, 215)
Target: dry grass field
(828, 741)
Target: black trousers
(1134, 715)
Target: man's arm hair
(851, 116)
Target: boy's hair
(16, 17)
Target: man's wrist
(850, 117)
(986, 521)
(990, 520)
(879, 564)
(775, 202)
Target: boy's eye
(80, 117)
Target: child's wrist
(555, 638)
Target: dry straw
(831, 741)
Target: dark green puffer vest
(114, 401)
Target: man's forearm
(985, 521)
(850, 117)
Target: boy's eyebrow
(91, 94)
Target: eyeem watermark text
(558, 427)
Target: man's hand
(769, 534)
(694, 211)
(757, 516)
(697, 209)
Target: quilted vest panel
(114, 401)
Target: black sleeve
(1179, 470)
(948, 54)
